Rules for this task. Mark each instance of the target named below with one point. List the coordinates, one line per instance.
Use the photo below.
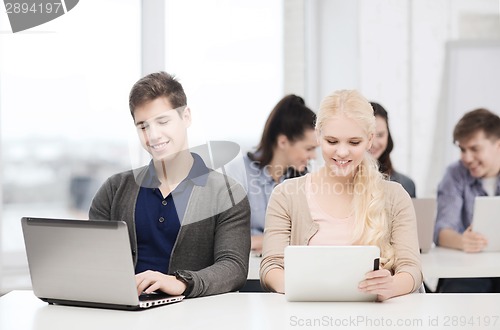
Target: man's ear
(497, 143)
(186, 116)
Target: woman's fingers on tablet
(378, 274)
(376, 280)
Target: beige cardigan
(289, 222)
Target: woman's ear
(282, 141)
(370, 141)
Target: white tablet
(328, 273)
(486, 220)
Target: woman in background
(287, 145)
(345, 202)
(382, 147)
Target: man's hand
(473, 241)
(150, 281)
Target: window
(64, 90)
(64, 123)
(229, 57)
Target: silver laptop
(84, 263)
(328, 273)
(486, 220)
(425, 210)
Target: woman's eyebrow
(349, 138)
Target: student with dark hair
(477, 173)
(287, 144)
(382, 148)
(189, 226)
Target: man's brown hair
(155, 85)
(477, 120)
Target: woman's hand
(385, 285)
(150, 281)
(379, 282)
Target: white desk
(21, 310)
(445, 263)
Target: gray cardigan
(213, 243)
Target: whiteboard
(472, 81)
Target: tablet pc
(486, 220)
(328, 273)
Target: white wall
(472, 80)
(394, 52)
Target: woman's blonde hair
(372, 225)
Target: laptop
(328, 273)
(486, 220)
(425, 210)
(84, 263)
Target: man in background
(477, 173)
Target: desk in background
(253, 268)
(21, 310)
(253, 280)
(448, 263)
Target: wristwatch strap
(187, 279)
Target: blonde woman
(346, 202)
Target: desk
(445, 263)
(21, 310)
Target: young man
(477, 134)
(189, 225)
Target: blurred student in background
(382, 147)
(287, 144)
(345, 202)
(477, 173)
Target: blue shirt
(455, 201)
(157, 219)
(259, 185)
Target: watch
(186, 278)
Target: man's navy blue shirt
(157, 219)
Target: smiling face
(300, 152)
(480, 155)
(343, 144)
(161, 129)
(381, 137)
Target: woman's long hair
(372, 226)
